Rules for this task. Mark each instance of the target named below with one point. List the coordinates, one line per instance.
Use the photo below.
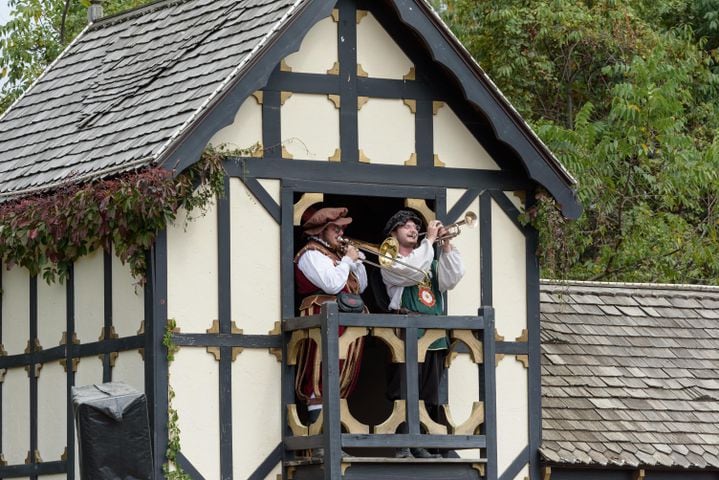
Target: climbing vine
(170, 469)
(46, 233)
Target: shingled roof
(630, 375)
(127, 85)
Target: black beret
(400, 218)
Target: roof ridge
(696, 289)
(132, 13)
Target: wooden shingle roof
(630, 375)
(127, 85)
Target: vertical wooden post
(332, 439)
(489, 387)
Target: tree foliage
(625, 94)
(37, 32)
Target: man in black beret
(415, 285)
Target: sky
(4, 11)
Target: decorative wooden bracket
(298, 428)
(337, 156)
(411, 75)
(215, 351)
(33, 346)
(465, 336)
(293, 346)
(438, 162)
(436, 106)
(335, 70)
(113, 358)
(33, 457)
(3, 352)
(523, 359)
(361, 71)
(307, 200)
(112, 333)
(335, 99)
(399, 412)
(390, 338)
(546, 473)
(469, 426)
(348, 338)
(36, 367)
(75, 340)
(524, 337)
(411, 161)
(480, 467)
(349, 421)
(411, 104)
(639, 474)
(277, 330)
(75, 363)
(316, 427)
(430, 336)
(432, 427)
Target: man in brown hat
(324, 268)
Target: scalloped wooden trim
(523, 359)
(398, 415)
(524, 337)
(430, 336)
(337, 156)
(349, 421)
(436, 106)
(140, 330)
(363, 158)
(361, 71)
(412, 161)
(284, 67)
(348, 337)
(2, 378)
(411, 75)
(411, 104)
(469, 426)
(475, 346)
(259, 96)
(420, 204)
(438, 162)
(113, 334)
(305, 201)
(390, 338)
(63, 457)
(63, 340)
(335, 15)
(276, 330)
(298, 428)
(497, 336)
(3, 352)
(432, 427)
(360, 15)
(113, 358)
(34, 345)
(284, 96)
(335, 70)
(286, 154)
(293, 346)
(361, 101)
(480, 467)
(36, 368)
(546, 472)
(2, 460)
(75, 363)
(335, 99)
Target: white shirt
(450, 271)
(325, 275)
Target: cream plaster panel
(256, 286)
(89, 371)
(516, 201)
(512, 411)
(463, 387)
(16, 416)
(508, 275)
(275, 473)
(128, 300)
(465, 298)
(51, 412)
(245, 131)
(192, 271)
(130, 368)
(318, 52)
(256, 409)
(386, 131)
(272, 187)
(51, 313)
(310, 127)
(53, 477)
(378, 54)
(15, 310)
(89, 294)
(194, 375)
(456, 146)
(523, 474)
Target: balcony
(336, 431)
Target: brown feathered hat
(319, 220)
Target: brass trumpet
(469, 220)
(386, 252)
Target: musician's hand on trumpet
(433, 230)
(351, 252)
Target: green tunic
(410, 301)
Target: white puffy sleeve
(323, 273)
(450, 269)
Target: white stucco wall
(313, 137)
(386, 131)
(246, 129)
(15, 310)
(89, 295)
(508, 275)
(130, 368)
(51, 312)
(194, 375)
(128, 300)
(465, 298)
(192, 272)
(456, 146)
(255, 265)
(512, 411)
(318, 51)
(51, 412)
(256, 409)
(16, 416)
(378, 54)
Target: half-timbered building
(371, 105)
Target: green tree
(626, 95)
(37, 32)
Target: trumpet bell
(388, 250)
(470, 219)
